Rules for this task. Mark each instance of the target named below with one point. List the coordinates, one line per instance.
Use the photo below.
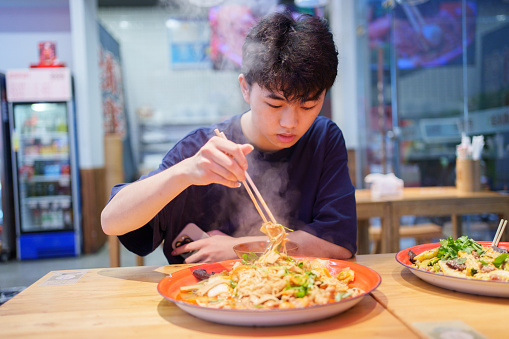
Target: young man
(297, 160)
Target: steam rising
(271, 179)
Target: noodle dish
(271, 289)
(464, 258)
(274, 280)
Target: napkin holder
(468, 175)
(384, 185)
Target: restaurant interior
(421, 97)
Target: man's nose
(288, 118)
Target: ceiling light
(124, 24)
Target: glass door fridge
(44, 164)
(7, 229)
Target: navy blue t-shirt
(307, 187)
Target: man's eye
(308, 108)
(274, 106)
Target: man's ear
(244, 87)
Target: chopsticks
(500, 231)
(251, 195)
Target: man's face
(274, 123)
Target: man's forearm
(137, 203)
(312, 246)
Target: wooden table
(368, 207)
(124, 302)
(423, 201)
(412, 300)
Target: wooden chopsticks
(253, 186)
(500, 231)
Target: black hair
(296, 57)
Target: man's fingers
(222, 163)
(194, 258)
(220, 172)
(215, 232)
(235, 151)
(247, 148)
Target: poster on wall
(48, 55)
(231, 21)
(112, 92)
(111, 85)
(188, 43)
(425, 35)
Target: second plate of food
(492, 288)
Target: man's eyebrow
(314, 98)
(274, 96)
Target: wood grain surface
(124, 303)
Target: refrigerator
(44, 162)
(7, 228)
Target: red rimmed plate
(466, 285)
(365, 279)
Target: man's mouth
(286, 137)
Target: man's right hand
(219, 161)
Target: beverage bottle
(45, 216)
(36, 216)
(68, 216)
(51, 190)
(60, 216)
(38, 189)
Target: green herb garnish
(436, 268)
(249, 257)
(449, 248)
(302, 284)
(289, 229)
(342, 295)
(301, 291)
(433, 261)
(500, 259)
(211, 301)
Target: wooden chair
(114, 251)
(113, 163)
(422, 233)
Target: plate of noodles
(366, 280)
(462, 265)
(270, 290)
